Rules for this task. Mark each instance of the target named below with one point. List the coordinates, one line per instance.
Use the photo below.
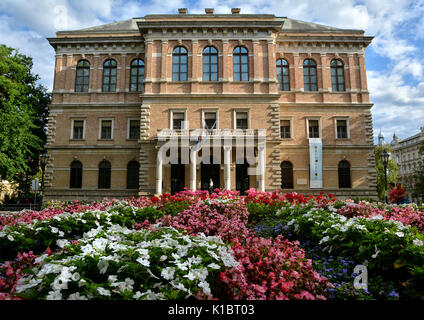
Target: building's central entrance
(177, 177)
(242, 177)
(210, 171)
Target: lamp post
(385, 159)
(43, 162)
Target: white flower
(400, 234)
(10, 237)
(417, 242)
(343, 229)
(325, 239)
(137, 295)
(103, 265)
(54, 295)
(103, 291)
(62, 243)
(112, 279)
(76, 276)
(2, 234)
(59, 284)
(54, 230)
(214, 266)
(82, 283)
(163, 258)
(376, 252)
(168, 273)
(76, 296)
(61, 234)
(205, 286)
(143, 261)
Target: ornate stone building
(408, 159)
(123, 90)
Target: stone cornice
(97, 45)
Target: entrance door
(210, 171)
(242, 178)
(177, 178)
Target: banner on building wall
(315, 162)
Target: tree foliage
(392, 169)
(23, 117)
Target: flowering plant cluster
(120, 263)
(221, 245)
(272, 269)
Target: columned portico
(227, 168)
(193, 168)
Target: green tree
(392, 169)
(23, 118)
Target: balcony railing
(168, 133)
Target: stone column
(193, 165)
(261, 164)
(227, 168)
(159, 177)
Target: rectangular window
(210, 119)
(341, 129)
(285, 129)
(134, 129)
(78, 129)
(241, 120)
(313, 129)
(177, 120)
(106, 129)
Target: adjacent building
(408, 159)
(295, 92)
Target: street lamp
(43, 162)
(385, 159)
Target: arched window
(344, 174)
(137, 75)
(310, 75)
(286, 175)
(132, 174)
(104, 174)
(109, 76)
(283, 75)
(210, 64)
(179, 64)
(241, 64)
(76, 175)
(337, 75)
(82, 76)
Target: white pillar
(159, 174)
(193, 157)
(227, 163)
(261, 165)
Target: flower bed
(262, 246)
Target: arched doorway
(210, 171)
(242, 177)
(177, 177)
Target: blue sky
(394, 59)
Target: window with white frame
(313, 128)
(210, 118)
(77, 131)
(106, 129)
(342, 128)
(242, 118)
(178, 119)
(285, 129)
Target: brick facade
(153, 39)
